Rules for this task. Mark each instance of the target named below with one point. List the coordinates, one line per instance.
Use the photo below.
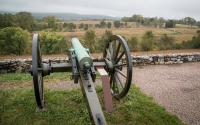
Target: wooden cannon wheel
(37, 71)
(118, 65)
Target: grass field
(183, 32)
(67, 106)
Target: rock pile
(23, 65)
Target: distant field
(182, 32)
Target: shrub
(147, 42)
(53, 43)
(166, 42)
(133, 44)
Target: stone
(18, 70)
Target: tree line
(159, 22)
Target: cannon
(117, 64)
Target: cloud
(169, 9)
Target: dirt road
(176, 87)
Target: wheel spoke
(117, 85)
(118, 65)
(109, 56)
(114, 83)
(114, 49)
(120, 81)
(120, 72)
(119, 57)
(117, 52)
(111, 51)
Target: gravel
(176, 87)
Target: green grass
(67, 107)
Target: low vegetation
(68, 107)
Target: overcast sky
(168, 9)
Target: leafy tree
(25, 20)
(50, 20)
(86, 27)
(146, 22)
(155, 22)
(102, 24)
(41, 26)
(117, 24)
(57, 26)
(126, 19)
(53, 43)
(13, 40)
(189, 21)
(170, 24)
(160, 22)
(166, 42)
(7, 20)
(108, 24)
(96, 26)
(147, 42)
(104, 38)
(81, 26)
(89, 40)
(71, 26)
(133, 44)
(64, 25)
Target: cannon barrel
(84, 60)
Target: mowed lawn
(66, 106)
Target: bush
(166, 42)
(147, 42)
(53, 43)
(13, 40)
(133, 44)
(178, 46)
(104, 39)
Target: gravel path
(176, 87)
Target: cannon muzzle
(84, 60)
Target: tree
(155, 22)
(146, 21)
(53, 43)
(116, 24)
(125, 19)
(189, 21)
(50, 20)
(161, 22)
(13, 40)
(133, 44)
(89, 40)
(102, 24)
(81, 26)
(170, 24)
(86, 27)
(104, 38)
(147, 42)
(7, 20)
(25, 20)
(71, 26)
(108, 24)
(166, 42)
(64, 25)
